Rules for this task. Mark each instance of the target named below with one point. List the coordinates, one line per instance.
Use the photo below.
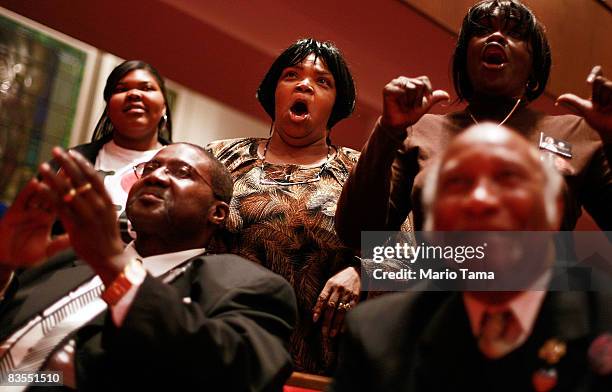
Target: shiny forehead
(490, 139)
(183, 152)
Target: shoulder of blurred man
(227, 288)
(387, 338)
(381, 334)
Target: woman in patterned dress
(285, 193)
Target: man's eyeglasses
(175, 169)
(272, 174)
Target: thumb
(24, 195)
(439, 96)
(575, 103)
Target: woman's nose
(497, 36)
(304, 86)
(134, 94)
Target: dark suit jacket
(423, 342)
(231, 335)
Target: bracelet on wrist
(133, 274)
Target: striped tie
(28, 349)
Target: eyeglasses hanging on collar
(285, 175)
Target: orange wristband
(133, 274)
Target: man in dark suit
(208, 322)
(489, 179)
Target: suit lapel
(447, 353)
(569, 314)
(447, 343)
(566, 318)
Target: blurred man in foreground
(489, 179)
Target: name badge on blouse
(557, 146)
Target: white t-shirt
(117, 164)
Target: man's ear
(218, 212)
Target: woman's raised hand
(406, 100)
(597, 111)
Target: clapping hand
(87, 213)
(25, 230)
(77, 196)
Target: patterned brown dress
(290, 230)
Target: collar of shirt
(158, 264)
(524, 306)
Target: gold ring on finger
(83, 188)
(70, 195)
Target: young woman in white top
(136, 123)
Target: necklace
(518, 101)
(284, 175)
